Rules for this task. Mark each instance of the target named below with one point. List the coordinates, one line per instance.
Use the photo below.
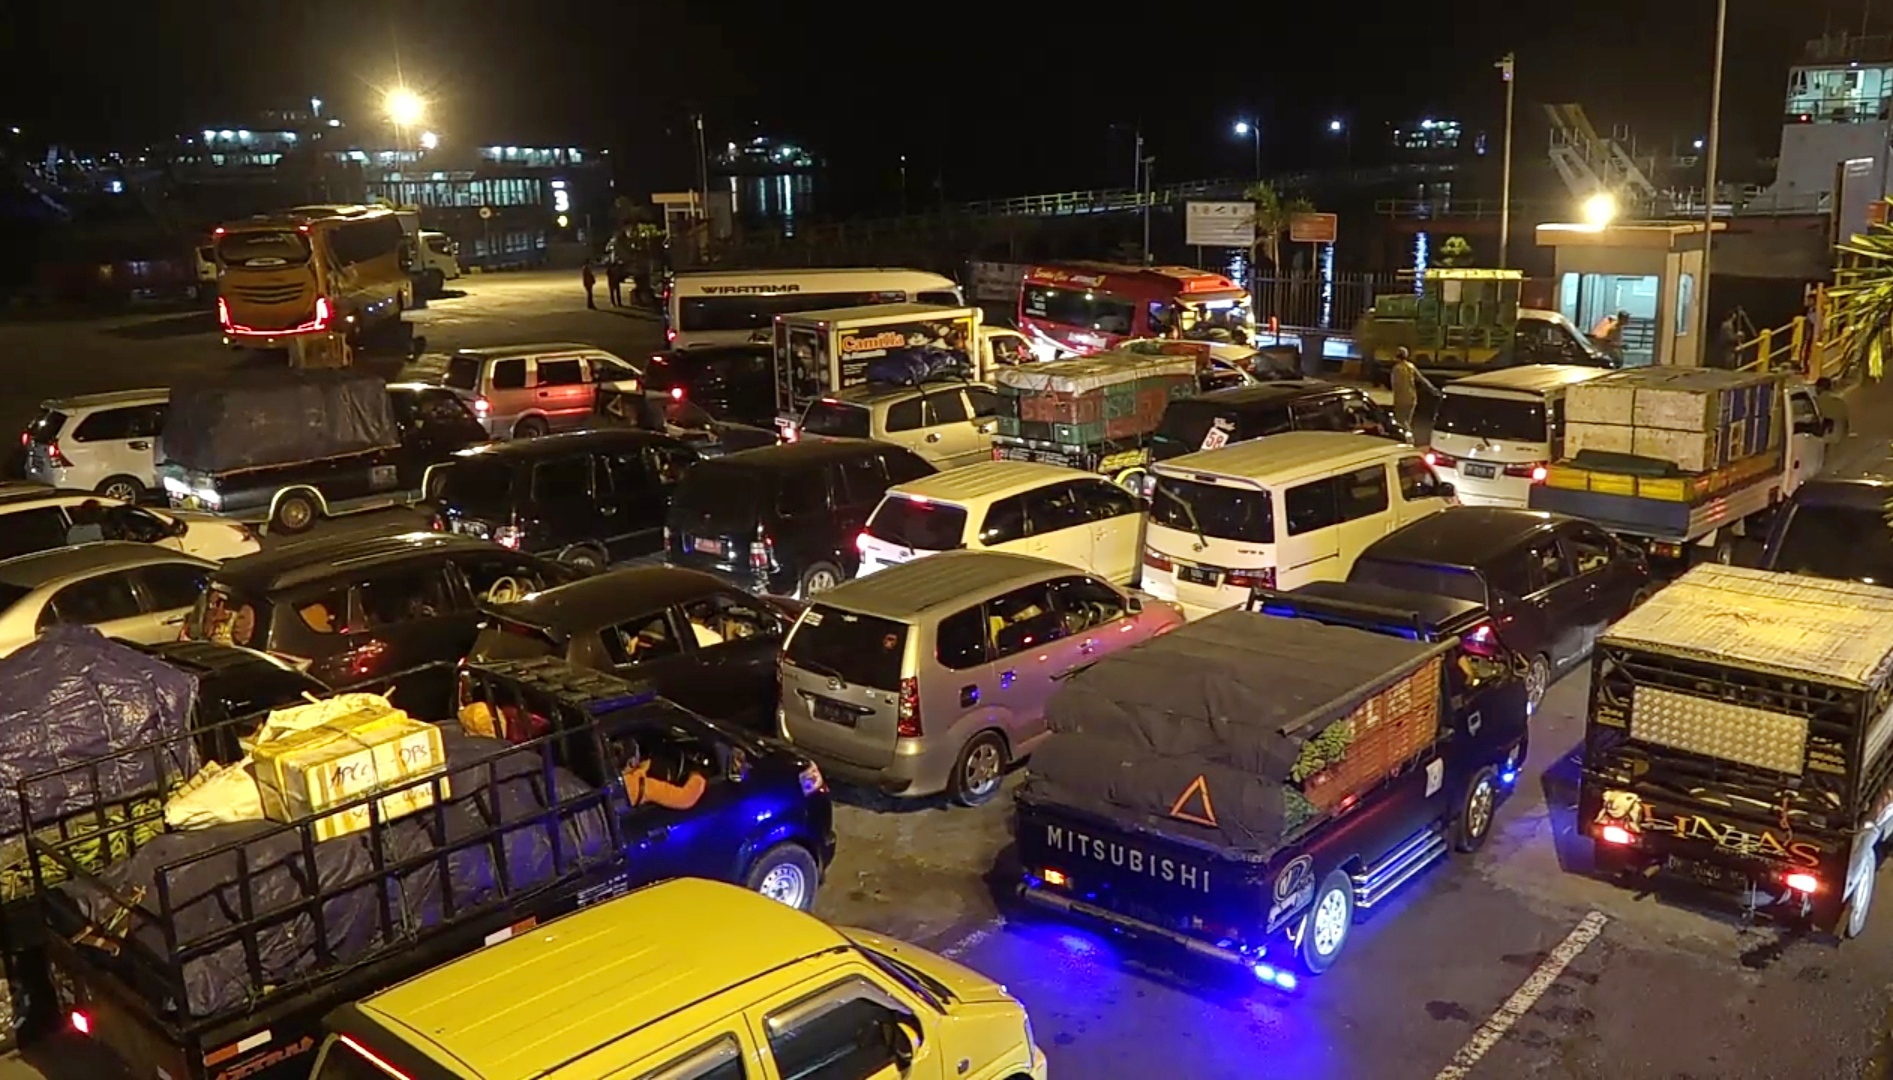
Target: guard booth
(1648, 269)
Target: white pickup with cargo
(1684, 460)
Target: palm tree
(1273, 210)
(1861, 301)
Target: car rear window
(1480, 416)
(263, 250)
(918, 523)
(1454, 581)
(864, 650)
(477, 485)
(463, 373)
(1228, 513)
(46, 426)
(837, 420)
(714, 494)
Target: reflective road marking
(1524, 997)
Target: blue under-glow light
(1508, 777)
(1274, 976)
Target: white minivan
(736, 307)
(1024, 507)
(1496, 434)
(1276, 513)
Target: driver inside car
(641, 788)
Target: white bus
(733, 307)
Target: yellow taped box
(306, 772)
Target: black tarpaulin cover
(74, 695)
(275, 416)
(206, 897)
(1228, 698)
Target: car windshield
(918, 524)
(1229, 513)
(463, 373)
(718, 495)
(865, 650)
(1849, 543)
(1454, 581)
(264, 250)
(1480, 416)
(836, 419)
(476, 485)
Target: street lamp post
(1254, 131)
(1340, 127)
(1148, 163)
(1506, 69)
(1709, 182)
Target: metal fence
(1324, 303)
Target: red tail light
(55, 457)
(81, 1023)
(26, 438)
(1439, 460)
(908, 719)
(1616, 834)
(482, 407)
(670, 335)
(323, 313)
(1250, 579)
(762, 553)
(1534, 471)
(676, 393)
(437, 523)
(861, 542)
(223, 312)
(1803, 882)
(1157, 560)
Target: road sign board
(1312, 228)
(1219, 224)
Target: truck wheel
(1860, 904)
(1476, 808)
(296, 512)
(1537, 681)
(787, 874)
(979, 771)
(1329, 921)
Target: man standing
(1407, 381)
(590, 278)
(614, 282)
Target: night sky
(979, 96)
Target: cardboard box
(306, 772)
(1608, 438)
(1690, 451)
(1600, 401)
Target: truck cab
(1262, 844)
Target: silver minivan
(933, 676)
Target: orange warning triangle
(1199, 791)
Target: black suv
(698, 640)
(355, 610)
(587, 499)
(734, 382)
(784, 519)
(1223, 417)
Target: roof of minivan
(803, 271)
(1528, 378)
(496, 352)
(951, 577)
(865, 312)
(1467, 536)
(34, 569)
(544, 999)
(798, 454)
(1284, 456)
(563, 443)
(989, 479)
(326, 556)
(604, 599)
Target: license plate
(1478, 471)
(1703, 873)
(834, 712)
(707, 546)
(1198, 575)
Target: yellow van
(687, 980)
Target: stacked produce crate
(1695, 419)
(1091, 400)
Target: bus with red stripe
(1073, 309)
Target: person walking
(590, 278)
(1407, 382)
(614, 282)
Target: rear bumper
(908, 775)
(1751, 888)
(1252, 961)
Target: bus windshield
(264, 250)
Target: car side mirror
(1133, 605)
(901, 1042)
(1445, 488)
(987, 426)
(1812, 427)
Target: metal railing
(1110, 200)
(1688, 204)
(1313, 302)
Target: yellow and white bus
(310, 270)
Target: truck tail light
(1803, 882)
(1616, 834)
(1251, 579)
(1054, 877)
(907, 724)
(1157, 560)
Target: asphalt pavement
(1507, 964)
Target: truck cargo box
(254, 419)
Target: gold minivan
(686, 980)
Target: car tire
(583, 557)
(787, 874)
(1537, 682)
(979, 772)
(296, 512)
(123, 488)
(818, 578)
(1328, 923)
(1478, 804)
(531, 427)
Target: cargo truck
(817, 353)
(1684, 461)
(1739, 740)
(1096, 413)
(1457, 322)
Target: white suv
(35, 521)
(98, 442)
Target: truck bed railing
(138, 932)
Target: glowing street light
(1600, 209)
(429, 140)
(1335, 126)
(404, 107)
(1254, 131)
